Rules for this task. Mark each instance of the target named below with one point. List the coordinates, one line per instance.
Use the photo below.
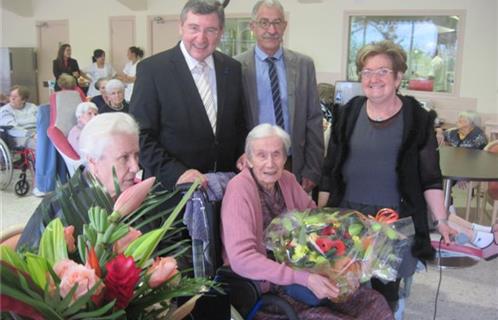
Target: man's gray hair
(84, 107)
(266, 130)
(472, 116)
(266, 3)
(203, 7)
(95, 136)
(114, 84)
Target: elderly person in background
(468, 133)
(101, 100)
(261, 192)
(67, 82)
(85, 111)
(20, 115)
(383, 153)
(108, 141)
(115, 95)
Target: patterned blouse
(476, 139)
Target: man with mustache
(188, 102)
(280, 88)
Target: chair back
(63, 106)
(492, 185)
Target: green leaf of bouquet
(8, 255)
(142, 247)
(37, 267)
(95, 313)
(120, 231)
(81, 301)
(39, 305)
(167, 224)
(52, 243)
(152, 218)
(151, 203)
(115, 180)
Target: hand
(322, 287)
(307, 184)
(323, 198)
(190, 175)
(446, 231)
(76, 74)
(242, 162)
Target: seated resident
(115, 95)
(108, 141)
(101, 100)
(468, 133)
(20, 115)
(85, 111)
(260, 192)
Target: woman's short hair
(114, 84)
(472, 116)
(99, 81)
(22, 91)
(136, 51)
(84, 107)
(96, 135)
(266, 130)
(386, 47)
(266, 3)
(66, 81)
(202, 7)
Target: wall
(317, 29)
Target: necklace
(390, 111)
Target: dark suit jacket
(58, 69)
(175, 132)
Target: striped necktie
(275, 91)
(205, 92)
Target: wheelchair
(15, 158)
(244, 295)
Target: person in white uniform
(98, 69)
(135, 54)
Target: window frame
(409, 13)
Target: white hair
(266, 130)
(266, 3)
(472, 116)
(114, 84)
(95, 136)
(84, 107)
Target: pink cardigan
(243, 234)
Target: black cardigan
(417, 164)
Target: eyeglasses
(381, 73)
(195, 29)
(265, 23)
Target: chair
(63, 106)
(491, 194)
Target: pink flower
(132, 198)
(161, 271)
(121, 279)
(69, 237)
(71, 274)
(123, 243)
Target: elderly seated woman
(115, 95)
(108, 141)
(20, 116)
(260, 192)
(85, 111)
(468, 133)
(101, 99)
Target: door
(122, 37)
(163, 33)
(51, 35)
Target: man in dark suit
(287, 96)
(188, 101)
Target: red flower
(93, 262)
(327, 244)
(20, 308)
(121, 279)
(327, 231)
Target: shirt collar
(191, 62)
(261, 55)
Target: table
(466, 164)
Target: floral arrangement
(106, 272)
(347, 247)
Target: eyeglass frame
(195, 29)
(380, 72)
(277, 23)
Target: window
(237, 37)
(430, 41)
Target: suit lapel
(291, 70)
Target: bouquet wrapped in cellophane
(102, 267)
(345, 246)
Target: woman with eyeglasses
(383, 153)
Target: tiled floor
(470, 293)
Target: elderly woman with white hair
(468, 133)
(108, 141)
(115, 95)
(85, 111)
(260, 192)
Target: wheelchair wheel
(6, 169)
(22, 186)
